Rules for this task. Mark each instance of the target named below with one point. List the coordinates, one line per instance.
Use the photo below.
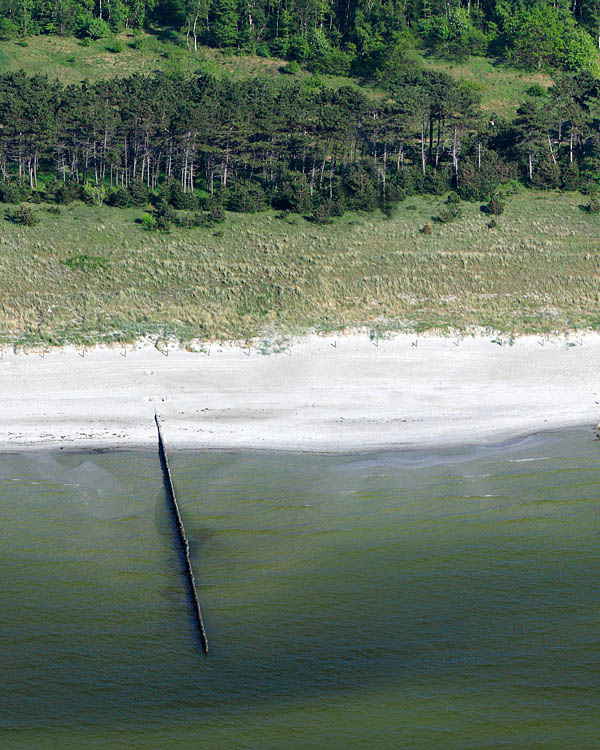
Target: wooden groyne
(182, 538)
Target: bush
(453, 35)
(115, 47)
(164, 215)
(451, 212)
(321, 215)
(216, 214)
(495, 205)
(536, 90)
(593, 206)
(246, 198)
(291, 68)
(93, 195)
(138, 193)
(170, 192)
(14, 192)
(67, 192)
(23, 216)
(546, 175)
(438, 181)
(118, 197)
(8, 29)
(570, 179)
(86, 263)
(92, 27)
(263, 50)
(148, 222)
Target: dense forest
(203, 143)
(338, 36)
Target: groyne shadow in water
(182, 540)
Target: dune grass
(92, 274)
(501, 87)
(72, 61)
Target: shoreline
(335, 394)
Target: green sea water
(436, 599)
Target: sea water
(425, 599)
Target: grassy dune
(501, 87)
(67, 59)
(537, 271)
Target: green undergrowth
(91, 274)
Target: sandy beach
(344, 393)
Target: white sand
(326, 394)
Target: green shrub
(115, 47)
(570, 179)
(536, 90)
(86, 263)
(452, 209)
(24, 216)
(93, 195)
(449, 213)
(58, 191)
(138, 193)
(246, 198)
(8, 29)
(263, 50)
(118, 197)
(321, 214)
(91, 26)
(593, 206)
(495, 206)
(14, 192)
(291, 68)
(68, 192)
(148, 222)
(165, 216)
(216, 212)
(173, 194)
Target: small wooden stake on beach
(181, 536)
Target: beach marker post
(184, 545)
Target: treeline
(203, 142)
(338, 36)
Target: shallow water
(395, 600)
